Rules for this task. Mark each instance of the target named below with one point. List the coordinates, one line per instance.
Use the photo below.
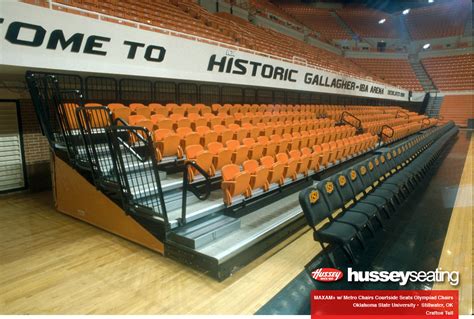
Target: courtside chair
(348, 198)
(329, 188)
(316, 211)
(368, 181)
(371, 211)
(359, 187)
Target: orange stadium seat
(235, 182)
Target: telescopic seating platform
(216, 185)
(350, 205)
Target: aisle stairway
(434, 105)
(420, 72)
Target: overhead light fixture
(406, 11)
(430, 1)
(426, 46)
(381, 21)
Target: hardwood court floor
(52, 263)
(458, 249)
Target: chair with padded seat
(359, 187)
(341, 196)
(316, 211)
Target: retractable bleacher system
(213, 187)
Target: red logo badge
(327, 274)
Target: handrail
(383, 133)
(122, 121)
(86, 127)
(144, 140)
(403, 112)
(192, 188)
(63, 114)
(359, 121)
(423, 122)
(149, 155)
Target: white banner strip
(37, 37)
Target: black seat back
(389, 160)
(378, 166)
(343, 186)
(383, 164)
(328, 190)
(371, 172)
(314, 206)
(364, 177)
(354, 181)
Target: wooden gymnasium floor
(53, 264)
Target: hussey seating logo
(327, 274)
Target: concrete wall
(324, 45)
(416, 46)
(210, 5)
(264, 22)
(438, 53)
(327, 5)
(375, 55)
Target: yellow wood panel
(75, 196)
(458, 250)
(52, 263)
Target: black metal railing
(120, 158)
(382, 132)
(41, 91)
(201, 189)
(55, 109)
(405, 114)
(66, 102)
(136, 167)
(358, 122)
(93, 122)
(425, 122)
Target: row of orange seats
(201, 109)
(404, 130)
(274, 108)
(375, 127)
(157, 108)
(243, 173)
(209, 119)
(258, 124)
(274, 137)
(337, 114)
(282, 167)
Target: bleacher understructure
(210, 174)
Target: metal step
(205, 230)
(258, 232)
(197, 209)
(255, 227)
(151, 188)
